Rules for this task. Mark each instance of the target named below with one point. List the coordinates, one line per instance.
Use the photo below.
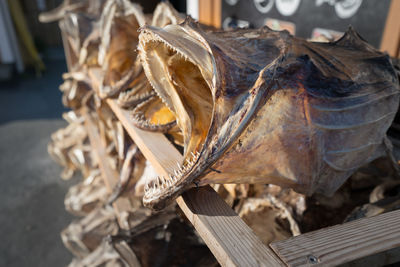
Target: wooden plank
(391, 36)
(210, 12)
(231, 241)
(342, 243)
(110, 176)
(380, 259)
(217, 9)
(206, 12)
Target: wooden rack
(374, 240)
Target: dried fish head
(76, 28)
(259, 106)
(152, 114)
(119, 26)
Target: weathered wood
(231, 241)
(110, 176)
(380, 259)
(390, 42)
(210, 12)
(342, 243)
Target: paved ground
(31, 192)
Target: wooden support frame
(343, 243)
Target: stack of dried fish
(286, 130)
(103, 35)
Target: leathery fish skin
(261, 106)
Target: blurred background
(31, 64)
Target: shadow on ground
(31, 190)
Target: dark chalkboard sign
(308, 17)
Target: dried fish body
(83, 236)
(73, 93)
(384, 198)
(70, 147)
(104, 255)
(163, 234)
(132, 169)
(261, 106)
(86, 196)
(270, 218)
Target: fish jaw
(185, 44)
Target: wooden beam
(231, 241)
(110, 176)
(391, 36)
(343, 243)
(217, 9)
(210, 12)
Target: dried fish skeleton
(259, 106)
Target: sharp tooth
(146, 187)
(158, 181)
(193, 155)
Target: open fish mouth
(181, 67)
(150, 113)
(183, 83)
(260, 106)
